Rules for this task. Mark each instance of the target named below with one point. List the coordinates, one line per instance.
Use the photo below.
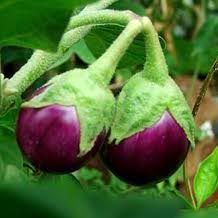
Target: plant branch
(41, 61)
(101, 17)
(204, 88)
(99, 5)
(103, 68)
(157, 72)
(213, 70)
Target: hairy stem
(103, 69)
(41, 61)
(155, 67)
(99, 5)
(101, 17)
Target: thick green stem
(103, 69)
(31, 71)
(101, 17)
(98, 5)
(155, 67)
(41, 61)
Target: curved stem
(103, 69)
(41, 61)
(31, 71)
(101, 17)
(155, 67)
(98, 5)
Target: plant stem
(41, 61)
(103, 69)
(213, 70)
(101, 17)
(204, 88)
(98, 5)
(155, 67)
(188, 183)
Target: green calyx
(93, 102)
(148, 94)
(142, 103)
(87, 90)
(155, 68)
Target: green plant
(64, 123)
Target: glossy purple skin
(148, 156)
(49, 137)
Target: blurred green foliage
(68, 200)
(29, 23)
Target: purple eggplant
(49, 137)
(149, 156)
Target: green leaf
(81, 49)
(117, 186)
(14, 54)
(129, 5)
(13, 175)
(124, 74)
(103, 36)
(8, 121)
(183, 61)
(35, 24)
(91, 178)
(83, 52)
(11, 161)
(206, 179)
(2, 168)
(94, 103)
(206, 45)
(9, 150)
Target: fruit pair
(65, 123)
